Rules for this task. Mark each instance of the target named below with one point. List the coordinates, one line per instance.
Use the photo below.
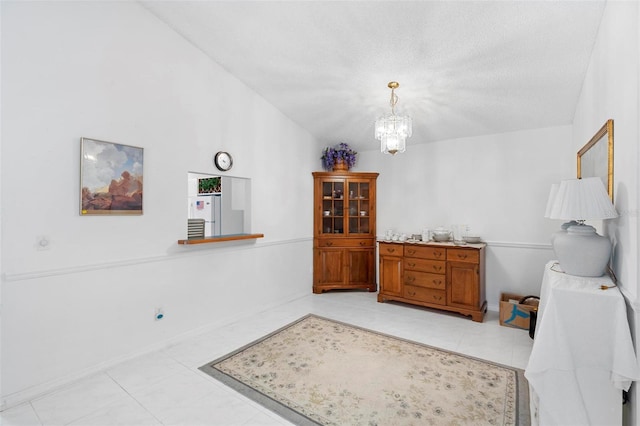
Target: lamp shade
(581, 199)
(552, 197)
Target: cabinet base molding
(323, 288)
(476, 315)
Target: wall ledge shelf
(220, 239)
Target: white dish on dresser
(471, 239)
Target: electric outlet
(159, 314)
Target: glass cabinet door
(359, 207)
(333, 206)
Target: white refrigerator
(207, 207)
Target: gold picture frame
(596, 157)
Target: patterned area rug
(319, 371)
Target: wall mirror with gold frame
(596, 157)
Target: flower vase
(340, 166)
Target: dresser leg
(479, 316)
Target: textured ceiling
(465, 68)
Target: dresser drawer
(435, 253)
(425, 279)
(463, 255)
(390, 249)
(425, 265)
(428, 295)
(345, 242)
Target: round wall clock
(223, 161)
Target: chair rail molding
(196, 251)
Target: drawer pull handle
(437, 268)
(391, 250)
(437, 254)
(411, 251)
(329, 243)
(411, 264)
(412, 293)
(437, 297)
(462, 256)
(411, 279)
(437, 282)
(363, 243)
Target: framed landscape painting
(110, 178)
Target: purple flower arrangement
(341, 151)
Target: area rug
(320, 371)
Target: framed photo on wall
(110, 178)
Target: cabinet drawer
(425, 265)
(390, 249)
(436, 253)
(344, 242)
(422, 294)
(463, 255)
(425, 279)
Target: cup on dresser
(457, 231)
(388, 234)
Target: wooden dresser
(436, 275)
(344, 231)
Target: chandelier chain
(393, 102)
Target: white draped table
(582, 357)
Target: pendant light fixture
(393, 130)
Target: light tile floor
(166, 387)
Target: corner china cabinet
(436, 275)
(344, 231)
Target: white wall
(1, 215)
(611, 89)
(112, 71)
(497, 184)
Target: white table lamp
(581, 251)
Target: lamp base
(582, 252)
(567, 225)
(563, 229)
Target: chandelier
(393, 130)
